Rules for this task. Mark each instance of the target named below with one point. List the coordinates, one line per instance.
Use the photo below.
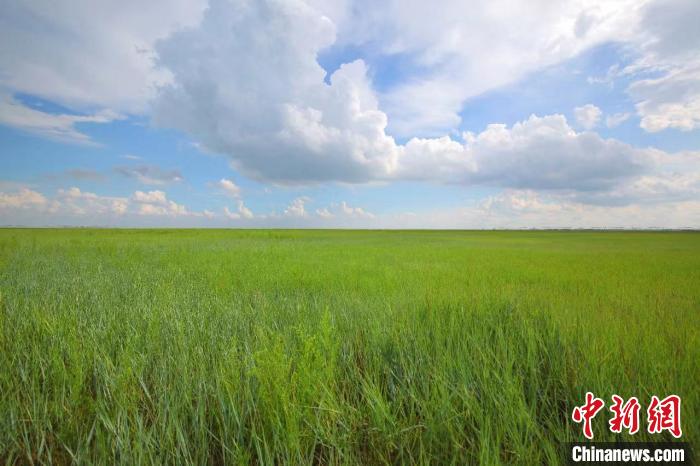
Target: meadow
(336, 347)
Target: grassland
(335, 347)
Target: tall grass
(297, 347)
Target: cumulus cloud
(280, 121)
(241, 212)
(538, 153)
(150, 197)
(343, 210)
(671, 101)
(88, 55)
(588, 116)
(156, 203)
(670, 28)
(668, 41)
(72, 203)
(277, 118)
(528, 209)
(231, 215)
(21, 199)
(451, 63)
(297, 208)
(242, 79)
(654, 189)
(229, 187)
(91, 56)
(350, 211)
(150, 174)
(524, 201)
(546, 153)
(675, 178)
(460, 55)
(669, 200)
(101, 56)
(77, 202)
(171, 209)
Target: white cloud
(668, 200)
(241, 212)
(245, 82)
(88, 54)
(297, 208)
(93, 56)
(150, 197)
(538, 153)
(588, 116)
(157, 203)
(612, 121)
(343, 210)
(519, 202)
(22, 205)
(231, 215)
(667, 41)
(531, 209)
(524, 208)
(60, 127)
(669, 29)
(101, 56)
(73, 201)
(229, 187)
(444, 50)
(170, 209)
(463, 51)
(280, 122)
(674, 178)
(358, 212)
(21, 199)
(276, 117)
(528, 209)
(671, 101)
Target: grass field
(336, 347)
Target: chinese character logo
(587, 412)
(665, 415)
(661, 415)
(624, 415)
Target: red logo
(587, 412)
(661, 415)
(625, 415)
(665, 415)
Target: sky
(350, 114)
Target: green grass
(336, 347)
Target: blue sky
(350, 114)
